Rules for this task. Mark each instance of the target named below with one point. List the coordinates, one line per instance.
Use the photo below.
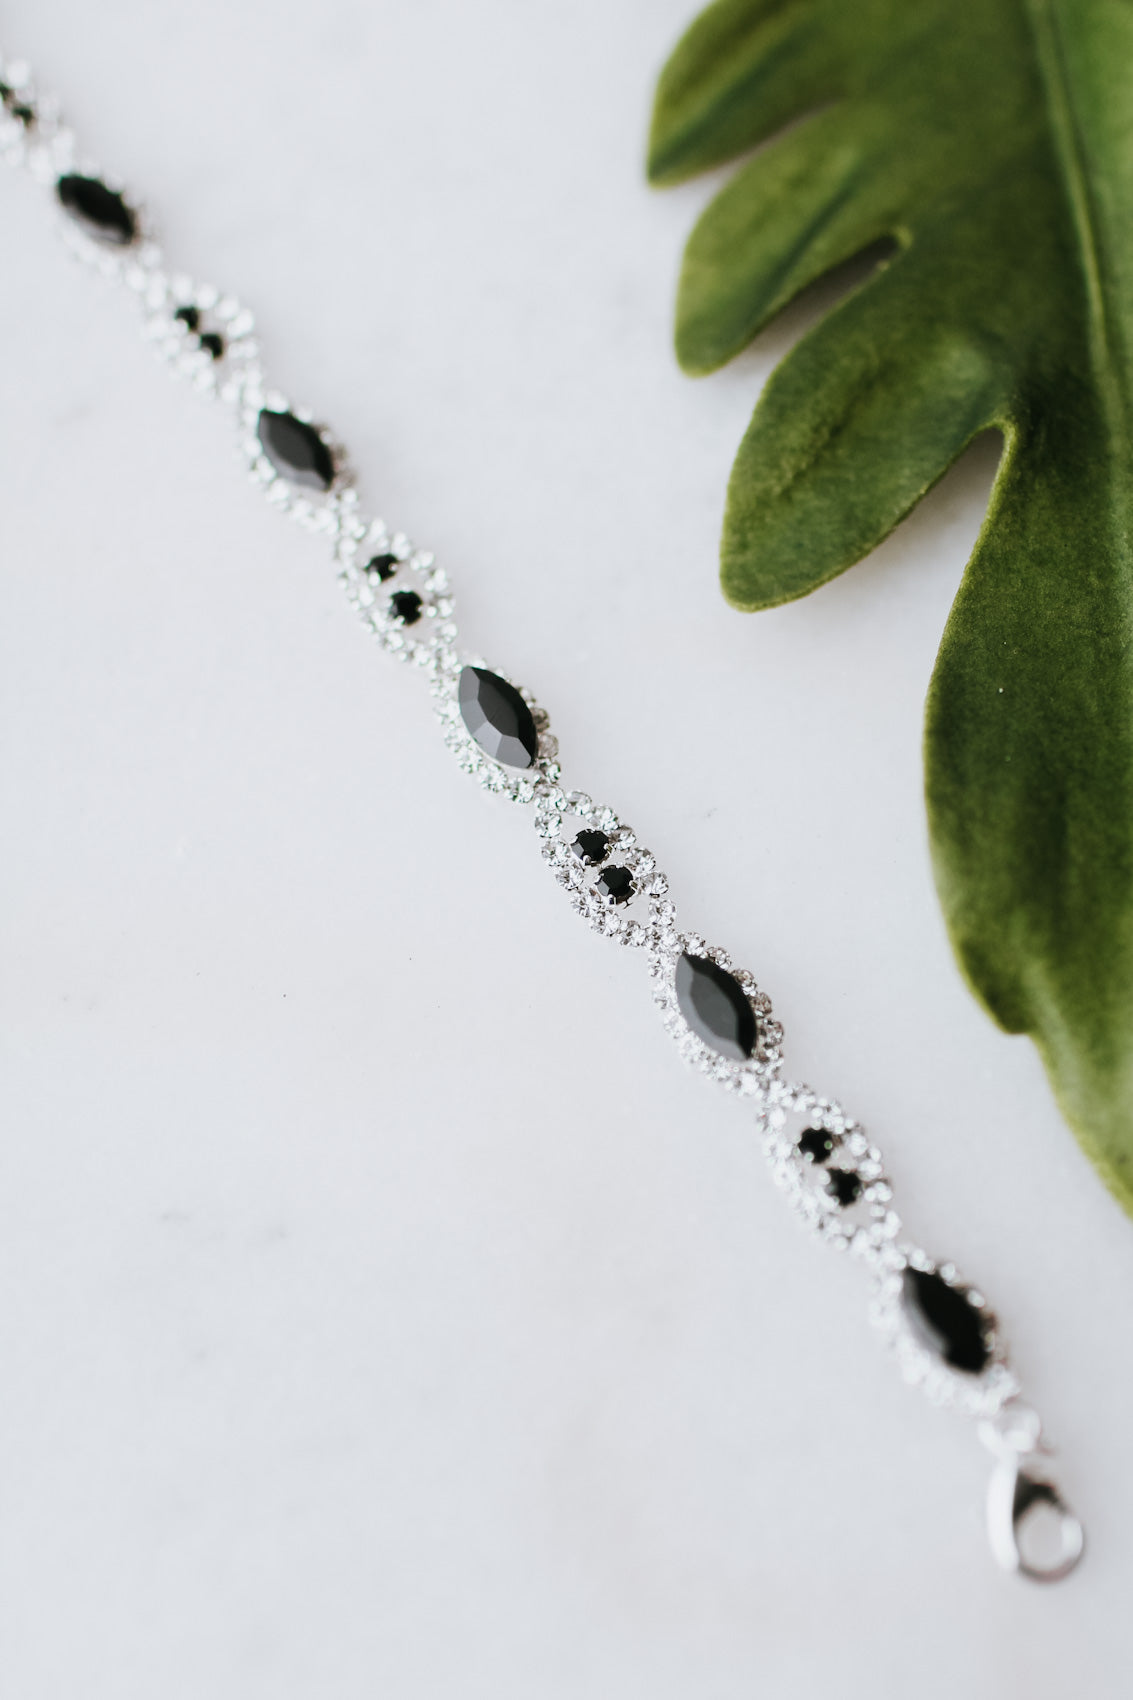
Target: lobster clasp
(1032, 1530)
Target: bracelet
(942, 1331)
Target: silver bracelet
(945, 1337)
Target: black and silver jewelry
(944, 1335)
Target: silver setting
(429, 642)
(312, 509)
(181, 348)
(666, 946)
(518, 784)
(19, 141)
(869, 1227)
(49, 154)
(981, 1395)
(136, 265)
(559, 817)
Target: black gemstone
(816, 1144)
(497, 717)
(19, 109)
(212, 344)
(715, 1006)
(945, 1321)
(296, 450)
(382, 566)
(616, 884)
(100, 211)
(189, 317)
(844, 1186)
(406, 604)
(591, 847)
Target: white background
(384, 1311)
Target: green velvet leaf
(992, 142)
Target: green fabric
(992, 141)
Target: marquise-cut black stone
(591, 847)
(844, 1187)
(212, 344)
(945, 1321)
(406, 605)
(497, 717)
(100, 211)
(715, 1006)
(615, 884)
(382, 566)
(816, 1145)
(296, 450)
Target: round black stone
(844, 1187)
(100, 211)
(296, 450)
(190, 317)
(21, 110)
(212, 344)
(382, 566)
(591, 847)
(616, 884)
(816, 1144)
(715, 1006)
(497, 717)
(945, 1321)
(406, 604)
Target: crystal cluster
(206, 337)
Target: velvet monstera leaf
(992, 142)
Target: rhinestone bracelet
(944, 1335)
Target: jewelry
(943, 1333)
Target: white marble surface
(383, 1309)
